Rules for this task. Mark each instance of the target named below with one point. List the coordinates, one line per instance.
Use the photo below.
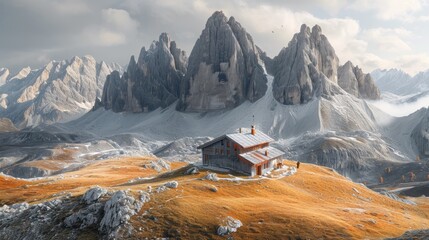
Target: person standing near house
(297, 164)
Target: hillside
(315, 202)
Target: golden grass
(106, 173)
(315, 203)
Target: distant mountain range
(58, 92)
(400, 83)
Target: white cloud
(105, 37)
(115, 28)
(403, 109)
(389, 10)
(89, 27)
(412, 63)
(118, 19)
(388, 39)
(71, 7)
(273, 27)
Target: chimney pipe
(266, 153)
(239, 130)
(253, 130)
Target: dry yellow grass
(315, 203)
(106, 173)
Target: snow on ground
(274, 174)
(341, 129)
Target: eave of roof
(211, 142)
(245, 140)
(257, 157)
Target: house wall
(265, 168)
(223, 154)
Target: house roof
(244, 139)
(258, 156)
(248, 140)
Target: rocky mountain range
(151, 82)
(58, 92)
(82, 122)
(226, 71)
(401, 83)
(226, 68)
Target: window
(228, 144)
(221, 152)
(221, 142)
(228, 152)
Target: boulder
(354, 81)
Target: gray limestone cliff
(224, 68)
(354, 81)
(151, 82)
(420, 135)
(268, 62)
(305, 68)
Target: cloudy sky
(370, 33)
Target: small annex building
(246, 152)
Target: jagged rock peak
(354, 81)
(306, 68)
(60, 91)
(224, 68)
(151, 82)
(4, 75)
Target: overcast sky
(370, 33)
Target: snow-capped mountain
(58, 92)
(322, 119)
(400, 83)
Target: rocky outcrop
(99, 213)
(305, 68)
(59, 92)
(354, 81)
(151, 82)
(224, 68)
(6, 125)
(268, 62)
(420, 135)
(4, 75)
